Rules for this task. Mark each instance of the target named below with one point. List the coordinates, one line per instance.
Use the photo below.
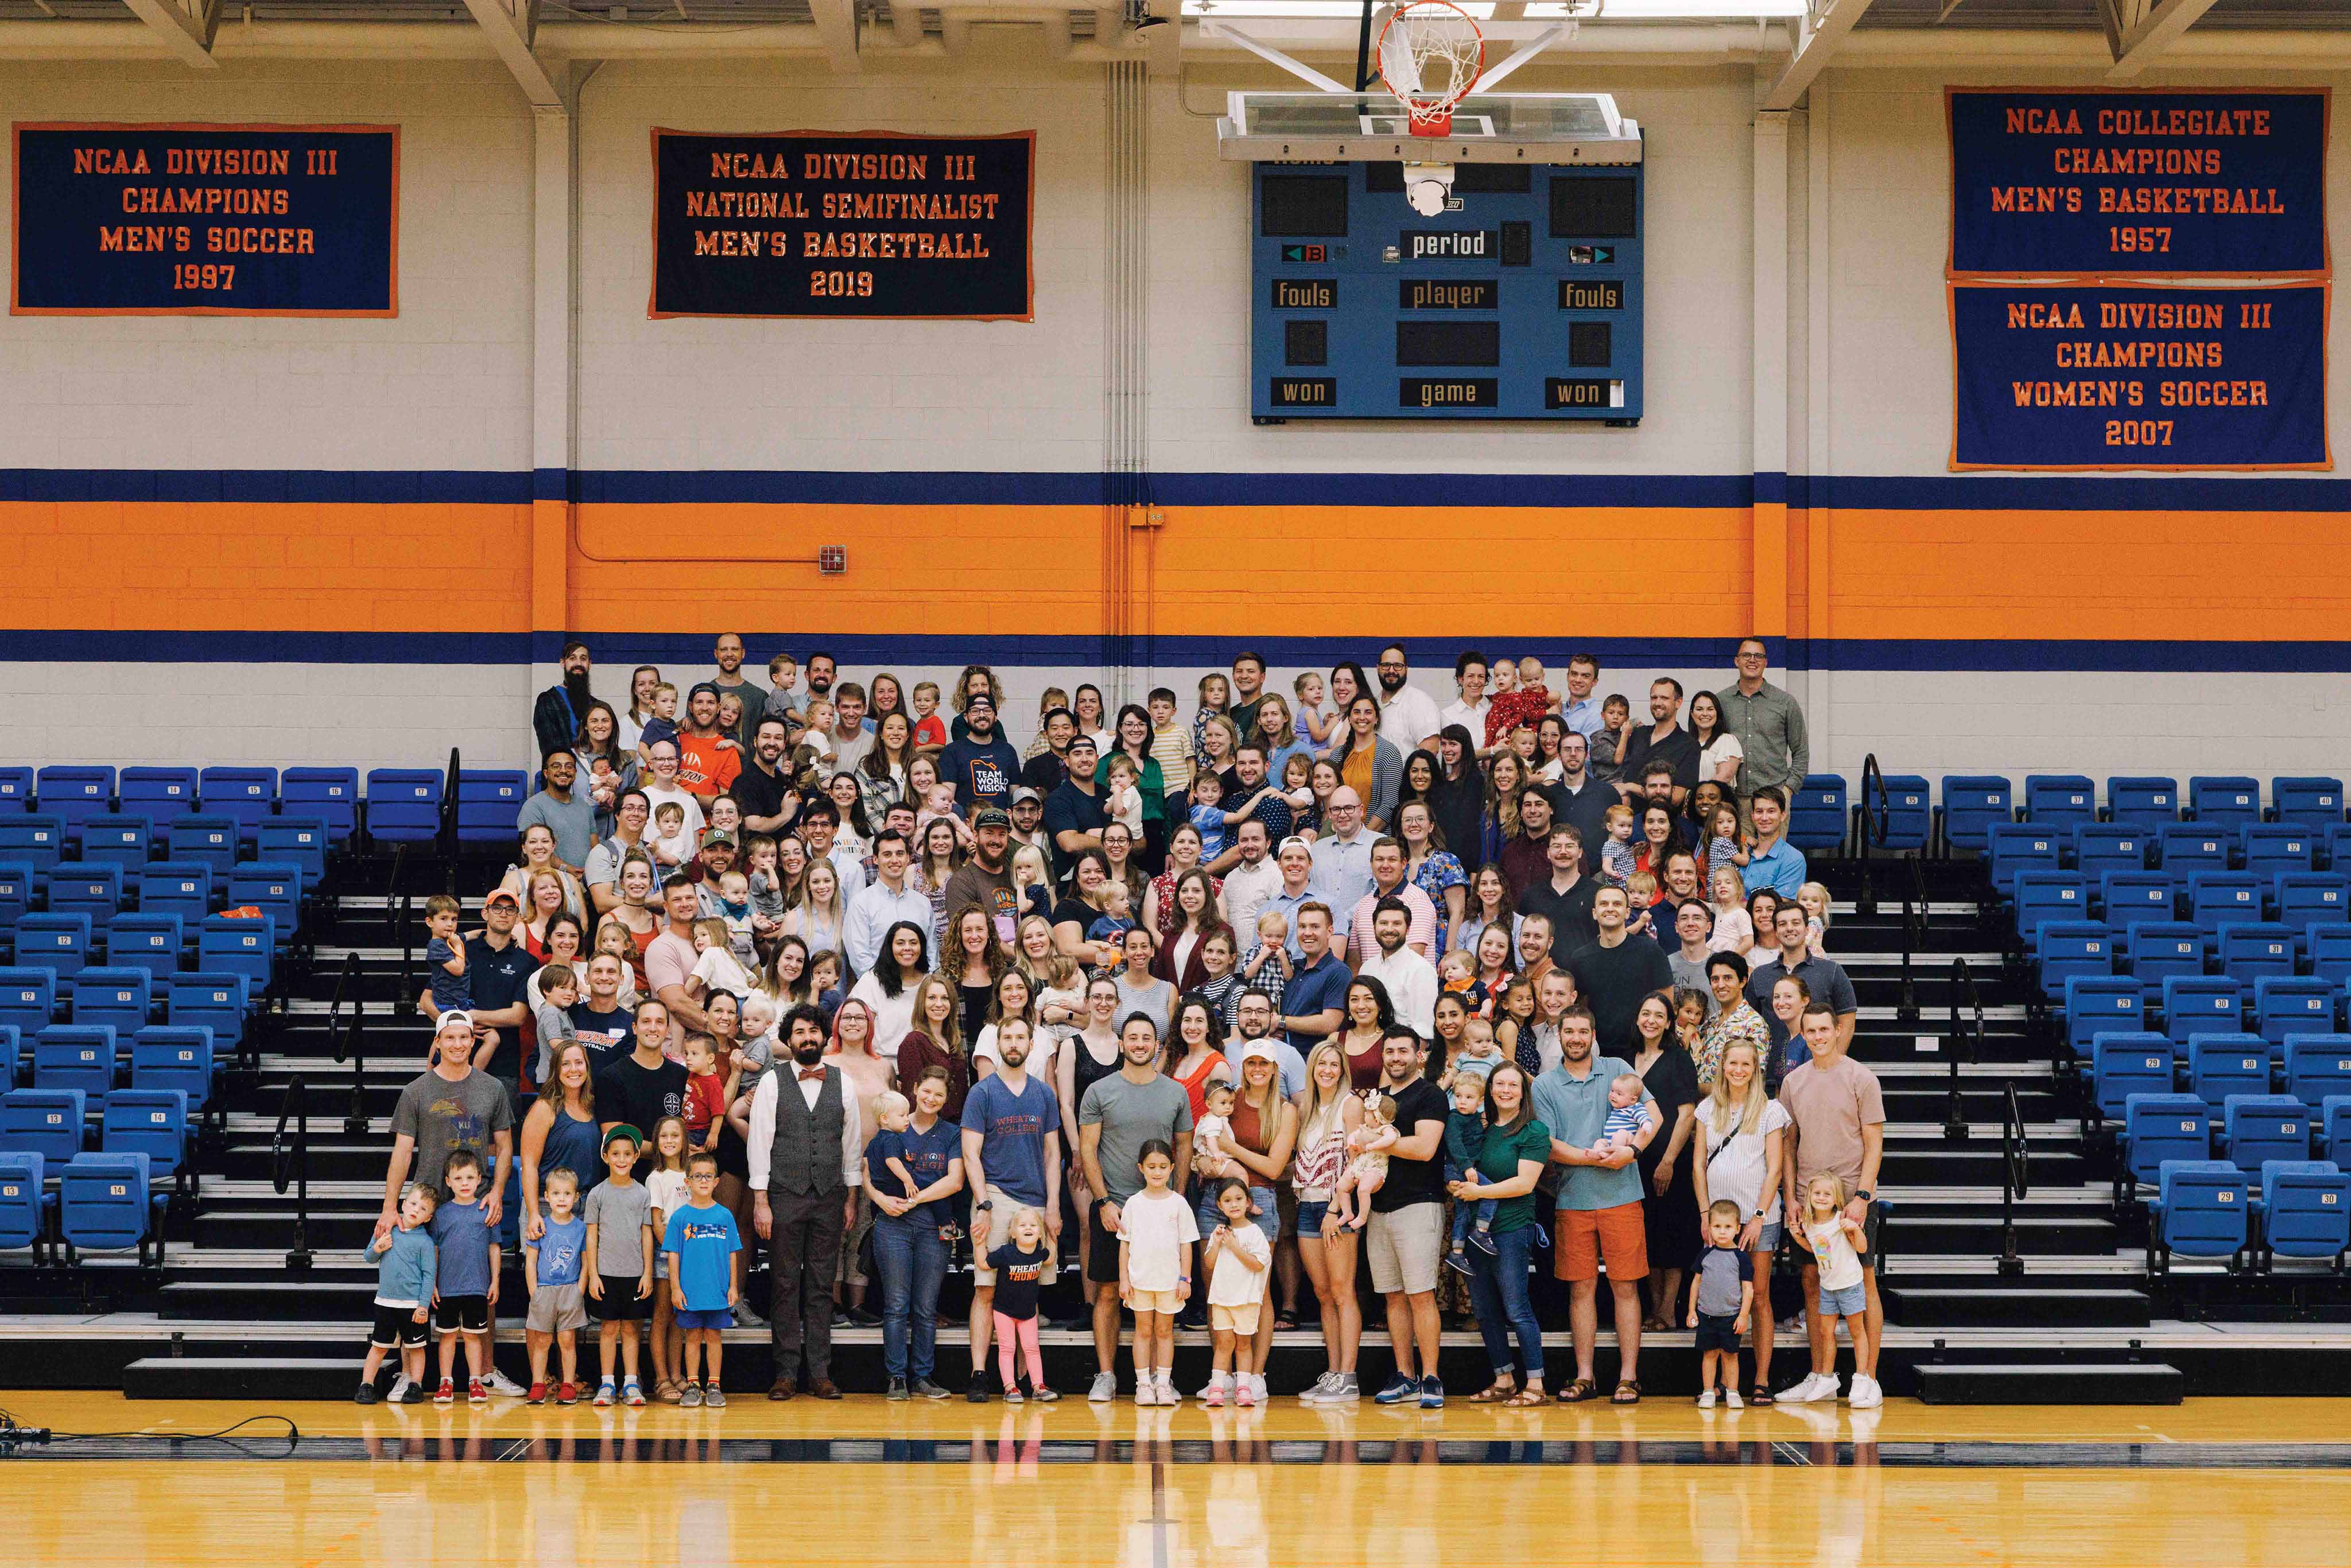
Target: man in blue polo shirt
(1599, 1204)
(1774, 863)
(1315, 999)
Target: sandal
(667, 1393)
(1500, 1393)
(1582, 1391)
(1618, 1398)
(1285, 1319)
(1759, 1394)
(1531, 1395)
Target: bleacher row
(2198, 974)
(143, 914)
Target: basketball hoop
(1430, 56)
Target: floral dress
(1732, 1026)
(1441, 871)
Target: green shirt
(1499, 1162)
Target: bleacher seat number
(2227, 1197)
(117, 1189)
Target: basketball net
(1430, 56)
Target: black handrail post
(296, 1105)
(350, 1038)
(2016, 1180)
(1874, 826)
(448, 837)
(1954, 1122)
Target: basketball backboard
(1369, 127)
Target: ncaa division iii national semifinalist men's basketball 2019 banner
(206, 220)
(867, 224)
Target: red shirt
(930, 731)
(705, 1102)
(705, 767)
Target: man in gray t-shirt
(1131, 1114)
(1118, 1116)
(442, 1117)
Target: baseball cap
(1259, 1050)
(717, 836)
(978, 699)
(456, 1017)
(991, 817)
(621, 1130)
(497, 893)
(1085, 740)
(1024, 793)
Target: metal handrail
(289, 1164)
(1956, 1038)
(2015, 1178)
(1913, 941)
(446, 839)
(1872, 828)
(399, 904)
(349, 1041)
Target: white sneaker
(1105, 1389)
(499, 1382)
(1866, 1394)
(1168, 1394)
(1320, 1391)
(1814, 1387)
(1146, 1392)
(1731, 1398)
(1256, 1383)
(1706, 1399)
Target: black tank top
(1087, 1071)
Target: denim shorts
(1310, 1217)
(1768, 1238)
(1845, 1303)
(1268, 1218)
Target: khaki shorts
(1241, 1320)
(999, 1231)
(1404, 1248)
(556, 1308)
(1166, 1302)
(1586, 1236)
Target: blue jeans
(1498, 1287)
(914, 1262)
(1482, 1212)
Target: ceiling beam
(1815, 46)
(512, 30)
(2156, 32)
(836, 25)
(187, 34)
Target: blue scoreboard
(1522, 301)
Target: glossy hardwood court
(2215, 1481)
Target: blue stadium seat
(2094, 1006)
(104, 1204)
(2187, 848)
(184, 888)
(24, 1204)
(154, 943)
(12, 1053)
(208, 841)
(1972, 804)
(114, 995)
(2201, 1004)
(166, 1057)
(2229, 799)
(404, 805)
(2306, 899)
(299, 841)
(239, 946)
(1909, 811)
(2159, 1127)
(125, 842)
(2143, 801)
(1816, 815)
(2069, 948)
(2042, 896)
(2311, 802)
(79, 887)
(247, 796)
(2333, 1127)
(2303, 1210)
(157, 793)
(2254, 950)
(60, 943)
(2127, 1063)
(29, 997)
(2128, 897)
(16, 792)
(34, 839)
(2270, 848)
(331, 794)
(2060, 801)
(2255, 1128)
(73, 794)
(2219, 1065)
(2289, 1005)
(2214, 896)
(16, 890)
(2013, 849)
(2102, 847)
(273, 888)
(2201, 1210)
(489, 800)
(2337, 852)
(216, 1000)
(2317, 1066)
(46, 1121)
(150, 1121)
(2159, 950)
(75, 1056)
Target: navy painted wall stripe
(865, 651)
(1894, 493)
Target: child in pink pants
(1021, 1264)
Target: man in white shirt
(1409, 718)
(1249, 885)
(1469, 711)
(804, 1182)
(886, 902)
(1388, 885)
(664, 789)
(1410, 979)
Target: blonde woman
(1061, 990)
(1327, 1113)
(821, 913)
(1740, 1143)
(538, 854)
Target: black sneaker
(415, 1395)
(367, 1395)
(1458, 1260)
(977, 1393)
(858, 1317)
(897, 1388)
(1483, 1241)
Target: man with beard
(1074, 817)
(805, 1153)
(1409, 718)
(1662, 739)
(763, 788)
(986, 879)
(1526, 860)
(705, 766)
(982, 766)
(1259, 796)
(727, 654)
(1012, 1160)
(823, 669)
(1410, 978)
(1578, 800)
(556, 718)
(1028, 822)
(1249, 694)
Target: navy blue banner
(207, 220)
(2113, 376)
(860, 224)
(2179, 182)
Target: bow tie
(812, 1074)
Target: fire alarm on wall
(832, 559)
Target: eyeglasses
(1391, 664)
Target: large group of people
(1207, 1021)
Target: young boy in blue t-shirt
(705, 1275)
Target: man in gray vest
(805, 1147)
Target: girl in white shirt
(1157, 1230)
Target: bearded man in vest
(805, 1147)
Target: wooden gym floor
(2215, 1481)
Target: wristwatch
(985, 1205)
(1864, 1194)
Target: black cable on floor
(13, 1433)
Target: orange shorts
(1586, 1236)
